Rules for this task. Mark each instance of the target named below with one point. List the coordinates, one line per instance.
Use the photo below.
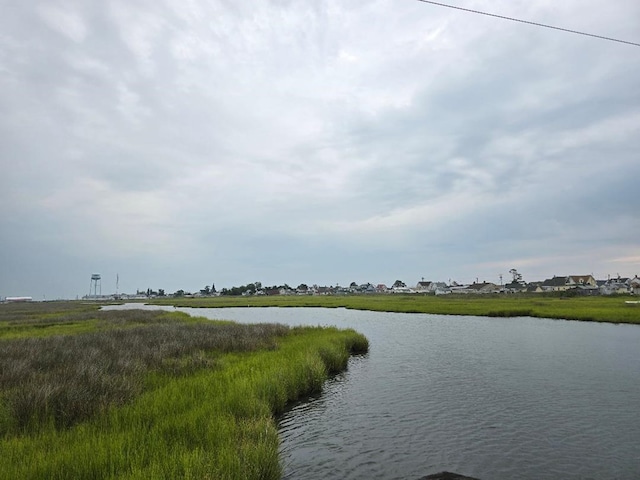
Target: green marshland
(147, 394)
(614, 309)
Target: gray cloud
(182, 143)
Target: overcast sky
(180, 143)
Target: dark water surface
(517, 398)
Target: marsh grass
(40, 319)
(158, 396)
(66, 379)
(598, 308)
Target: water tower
(96, 285)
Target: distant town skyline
(182, 144)
(95, 288)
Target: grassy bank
(152, 394)
(599, 309)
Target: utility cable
(530, 23)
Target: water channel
(491, 398)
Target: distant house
(555, 284)
(615, 286)
(455, 287)
(562, 284)
(366, 288)
(440, 288)
(341, 290)
(423, 286)
(381, 288)
(534, 287)
(582, 280)
(402, 290)
(324, 291)
(515, 287)
(634, 284)
(477, 288)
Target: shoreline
(587, 309)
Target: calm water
(491, 398)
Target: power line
(531, 23)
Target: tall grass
(66, 379)
(174, 400)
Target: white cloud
(65, 20)
(385, 136)
(128, 223)
(140, 28)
